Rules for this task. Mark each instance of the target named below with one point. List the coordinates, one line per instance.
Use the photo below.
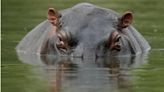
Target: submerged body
(87, 31)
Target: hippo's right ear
(53, 16)
(125, 20)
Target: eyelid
(62, 36)
(117, 37)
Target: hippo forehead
(88, 22)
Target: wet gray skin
(89, 33)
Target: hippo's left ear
(125, 20)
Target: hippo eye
(114, 41)
(62, 42)
(117, 39)
(60, 37)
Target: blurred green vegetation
(20, 16)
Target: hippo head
(91, 31)
(85, 30)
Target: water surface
(115, 74)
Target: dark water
(30, 73)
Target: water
(115, 74)
(30, 73)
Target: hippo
(85, 30)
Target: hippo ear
(125, 20)
(53, 16)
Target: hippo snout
(84, 51)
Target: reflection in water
(67, 74)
